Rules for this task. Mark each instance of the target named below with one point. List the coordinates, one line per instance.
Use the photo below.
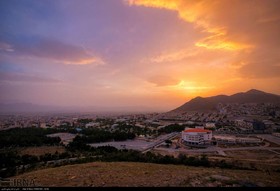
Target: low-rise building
(236, 140)
(91, 124)
(209, 125)
(247, 124)
(196, 136)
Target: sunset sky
(136, 53)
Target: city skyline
(144, 53)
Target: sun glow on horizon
(157, 53)
(191, 89)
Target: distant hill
(210, 103)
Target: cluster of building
(194, 116)
(227, 119)
(199, 136)
(245, 109)
(72, 120)
(40, 121)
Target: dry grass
(37, 151)
(260, 159)
(144, 174)
(253, 155)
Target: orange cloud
(202, 14)
(219, 42)
(161, 80)
(174, 56)
(173, 5)
(93, 60)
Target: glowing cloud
(94, 60)
(161, 80)
(156, 3)
(217, 42)
(199, 13)
(191, 86)
(156, 53)
(174, 56)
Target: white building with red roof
(196, 136)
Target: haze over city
(139, 93)
(136, 53)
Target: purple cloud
(53, 49)
(19, 77)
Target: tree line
(172, 128)
(110, 154)
(27, 137)
(10, 160)
(77, 148)
(99, 135)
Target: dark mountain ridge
(210, 103)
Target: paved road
(219, 150)
(128, 144)
(270, 138)
(160, 140)
(135, 144)
(147, 146)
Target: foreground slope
(146, 174)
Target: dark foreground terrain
(146, 174)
